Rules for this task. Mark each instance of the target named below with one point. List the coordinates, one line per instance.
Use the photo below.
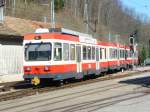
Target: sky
(140, 6)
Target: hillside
(106, 18)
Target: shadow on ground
(143, 81)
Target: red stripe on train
(52, 69)
(88, 66)
(52, 36)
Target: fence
(11, 60)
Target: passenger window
(72, 52)
(100, 53)
(105, 53)
(93, 53)
(89, 52)
(110, 53)
(120, 53)
(66, 51)
(116, 54)
(84, 52)
(57, 51)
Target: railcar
(59, 54)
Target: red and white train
(62, 54)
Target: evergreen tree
(59, 4)
(143, 54)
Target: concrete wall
(11, 63)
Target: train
(59, 54)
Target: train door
(97, 61)
(78, 54)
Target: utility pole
(86, 16)
(14, 7)
(109, 36)
(52, 14)
(25, 2)
(76, 5)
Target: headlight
(28, 69)
(46, 68)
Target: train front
(37, 57)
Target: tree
(143, 54)
(59, 4)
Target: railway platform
(10, 78)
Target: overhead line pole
(14, 7)
(52, 14)
(86, 15)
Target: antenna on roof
(52, 14)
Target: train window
(126, 54)
(123, 53)
(84, 52)
(89, 51)
(38, 51)
(120, 53)
(116, 54)
(97, 54)
(66, 51)
(110, 53)
(93, 53)
(72, 52)
(57, 51)
(105, 53)
(100, 53)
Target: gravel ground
(119, 95)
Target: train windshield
(38, 52)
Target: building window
(57, 51)
(66, 51)
(72, 52)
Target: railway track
(70, 96)
(29, 90)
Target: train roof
(62, 31)
(70, 35)
(54, 33)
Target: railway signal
(132, 42)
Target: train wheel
(60, 83)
